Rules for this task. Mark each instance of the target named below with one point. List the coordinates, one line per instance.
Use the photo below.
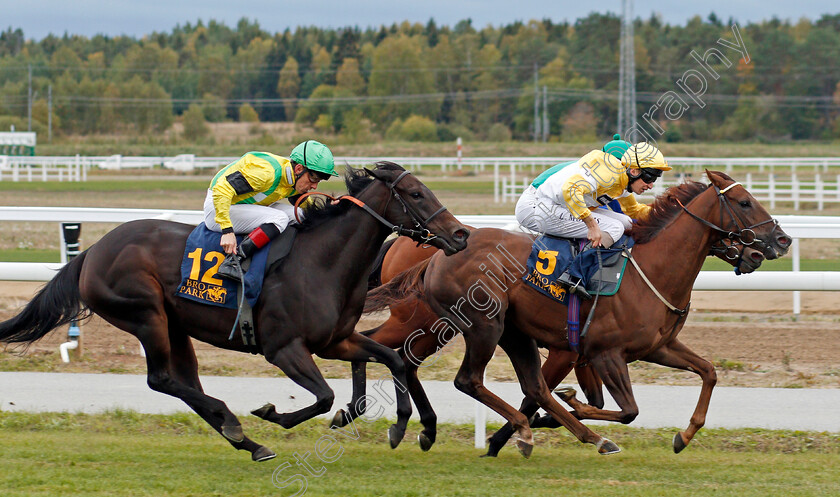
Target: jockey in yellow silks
(566, 202)
(244, 197)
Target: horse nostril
(461, 235)
(783, 241)
(757, 256)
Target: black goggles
(650, 175)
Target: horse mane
(665, 209)
(320, 210)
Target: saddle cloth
(202, 257)
(551, 256)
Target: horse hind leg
(555, 368)
(524, 356)
(184, 368)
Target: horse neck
(670, 267)
(348, 244)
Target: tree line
(430, 82)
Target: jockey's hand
(593, 233)
(228, 243)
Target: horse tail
(407, 285)
(57, 303)
(375, 277)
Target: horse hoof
(425, 442)
(565, 393)
(608, 447)
(264, 411)
(263, 454)
(233, 433)
(524, 448)
(679, 443)
(338, 420)
(395, 436)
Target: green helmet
(617, 146)
(315, 156)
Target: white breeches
(543, 216)
(247, 217)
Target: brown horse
(409, 329)
(480, 293)
(400, 331)
(310, 302)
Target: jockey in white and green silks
(244, 197)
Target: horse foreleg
(676, 355)
(295, 360)
(360, 348)
(356, 406)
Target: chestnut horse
(310, 303)
(480, 292)
(409, 329)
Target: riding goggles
(649, 175)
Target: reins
(419, 234)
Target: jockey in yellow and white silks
(564, 204)
(244, 197)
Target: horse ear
(374, 173)
(714, 177)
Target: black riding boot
(575, 285)
(231, 267)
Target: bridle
(738, 235)
(420, 233)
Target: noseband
(420, 233)
(744, 237)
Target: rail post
(70, 248)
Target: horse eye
(744, 203)
(415, 194)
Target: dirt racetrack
(750, 336)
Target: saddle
(600, 270)
(199, 282)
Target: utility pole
(49, 114)
(29, 100)
(536, 105)
(545, 127)
(627, 73)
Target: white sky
(38, 18)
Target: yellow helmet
(644, 155)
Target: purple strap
(574, 323)
(574, 313)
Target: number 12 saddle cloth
(199, 281)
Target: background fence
(798, 227)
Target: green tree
(398, 70)
(288, 86)
(195, 127)
(247, 114)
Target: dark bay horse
(479, 292)
(310, 302)
(409, 329)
